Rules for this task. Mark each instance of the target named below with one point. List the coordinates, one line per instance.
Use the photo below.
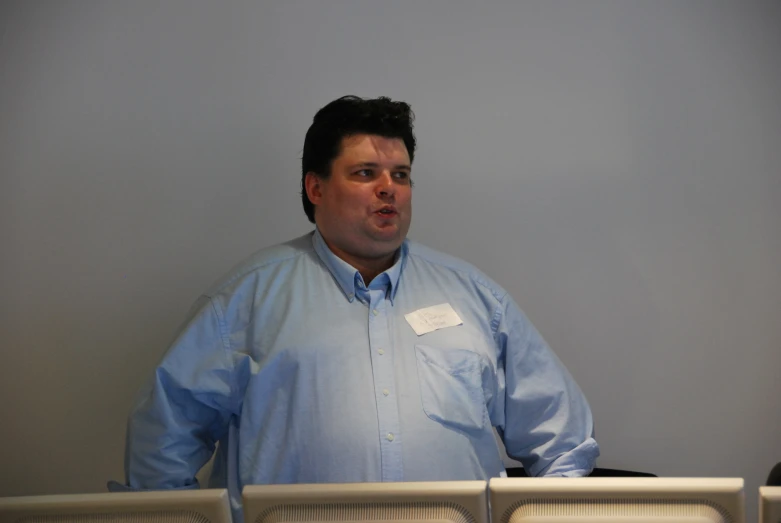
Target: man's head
(355, 182)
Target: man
(351, 354)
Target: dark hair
(348, 116)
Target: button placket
(384, 380)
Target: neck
(368, 268)
(369, 274)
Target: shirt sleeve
(547, 423)
(185, 408)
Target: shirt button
(389, 437)
(381, 352)
(375, 312)
(385, 392)
(350, 296)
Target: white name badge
(433, 318)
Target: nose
(385, 187)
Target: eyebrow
(373, 164)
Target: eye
(364, 173)
(401, 175)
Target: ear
(313, 185)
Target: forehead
(369, 147)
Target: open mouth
(386, 212)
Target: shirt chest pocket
(451, 387)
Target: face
(363, 209)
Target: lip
(390, 214)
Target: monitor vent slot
(616, 508)
(152, 516)
(366, 512)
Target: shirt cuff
(578, 462)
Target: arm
(546, 423)
(185, 408)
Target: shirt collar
(348, 277)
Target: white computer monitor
(617, 500)
(769, 504)
(406, 502)
(172, 506)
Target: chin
(394, 238)
(384, 246)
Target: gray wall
(615, 165)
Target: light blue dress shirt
(304, 374)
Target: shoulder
(274, 260)
(441, 262)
